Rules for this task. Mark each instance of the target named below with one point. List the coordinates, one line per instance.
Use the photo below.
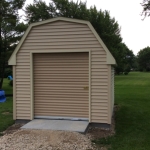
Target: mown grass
(132, 95)
(6, 87)
(6, 108)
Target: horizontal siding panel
(100, 104)
(101, 56)
(63, 86)
(99, 84)
(22, 54)
(99, 111)
(97, 97)
(99, 60)
(22, 80)
(57, 114)
(98, 76)
(98, 63)
(99, 94)
(23, 92)
(24, 101)
(20, 105)
(102, 114)
(101, 71)
(44, 47)
(23, 64)
(60, 23)
(47, 99)
(58, 64)
(22, 96)
(63, 76)
(98, 101)
(22, 86)
(69, 89)
(23, 67)
(48, 27)
(54, 101)
(54, 40)
(98, 52)
(59, 30)
(61, 43)
(59, 33)
(64, 73)
(61, 70)
(22, 83)
(99, 87)
(63, 96)
(99, 108)
(69, 108)
(59, 37)
(99, 80)
(25, 74)
(98, 66)
(49, 79)
(23, 109)
(96, 73)
(51, 94)
(26, 61)
(46, 92)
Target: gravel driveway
(15, 138)
(45, 140)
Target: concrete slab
(66, 125)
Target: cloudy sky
(135, 31)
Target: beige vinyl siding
(57, 36)
(112, 86)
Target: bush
(8, 72)
(126, 73)
(11, 82)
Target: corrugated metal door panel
(60, 85)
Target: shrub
(126, 73)
(8, 72)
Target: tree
(107, 27)
(11, 31)
(146, 7)
(143, 58)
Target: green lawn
(6, 87)
(132, 95)
(6, 109)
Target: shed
(63, 70)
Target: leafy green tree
(143, 58)
(107, 27)
(11, 31)
(146, 7)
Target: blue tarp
(2, 96)
(10, 77)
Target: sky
(134, 30)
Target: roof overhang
(110, 58)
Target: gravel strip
(45, 140)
